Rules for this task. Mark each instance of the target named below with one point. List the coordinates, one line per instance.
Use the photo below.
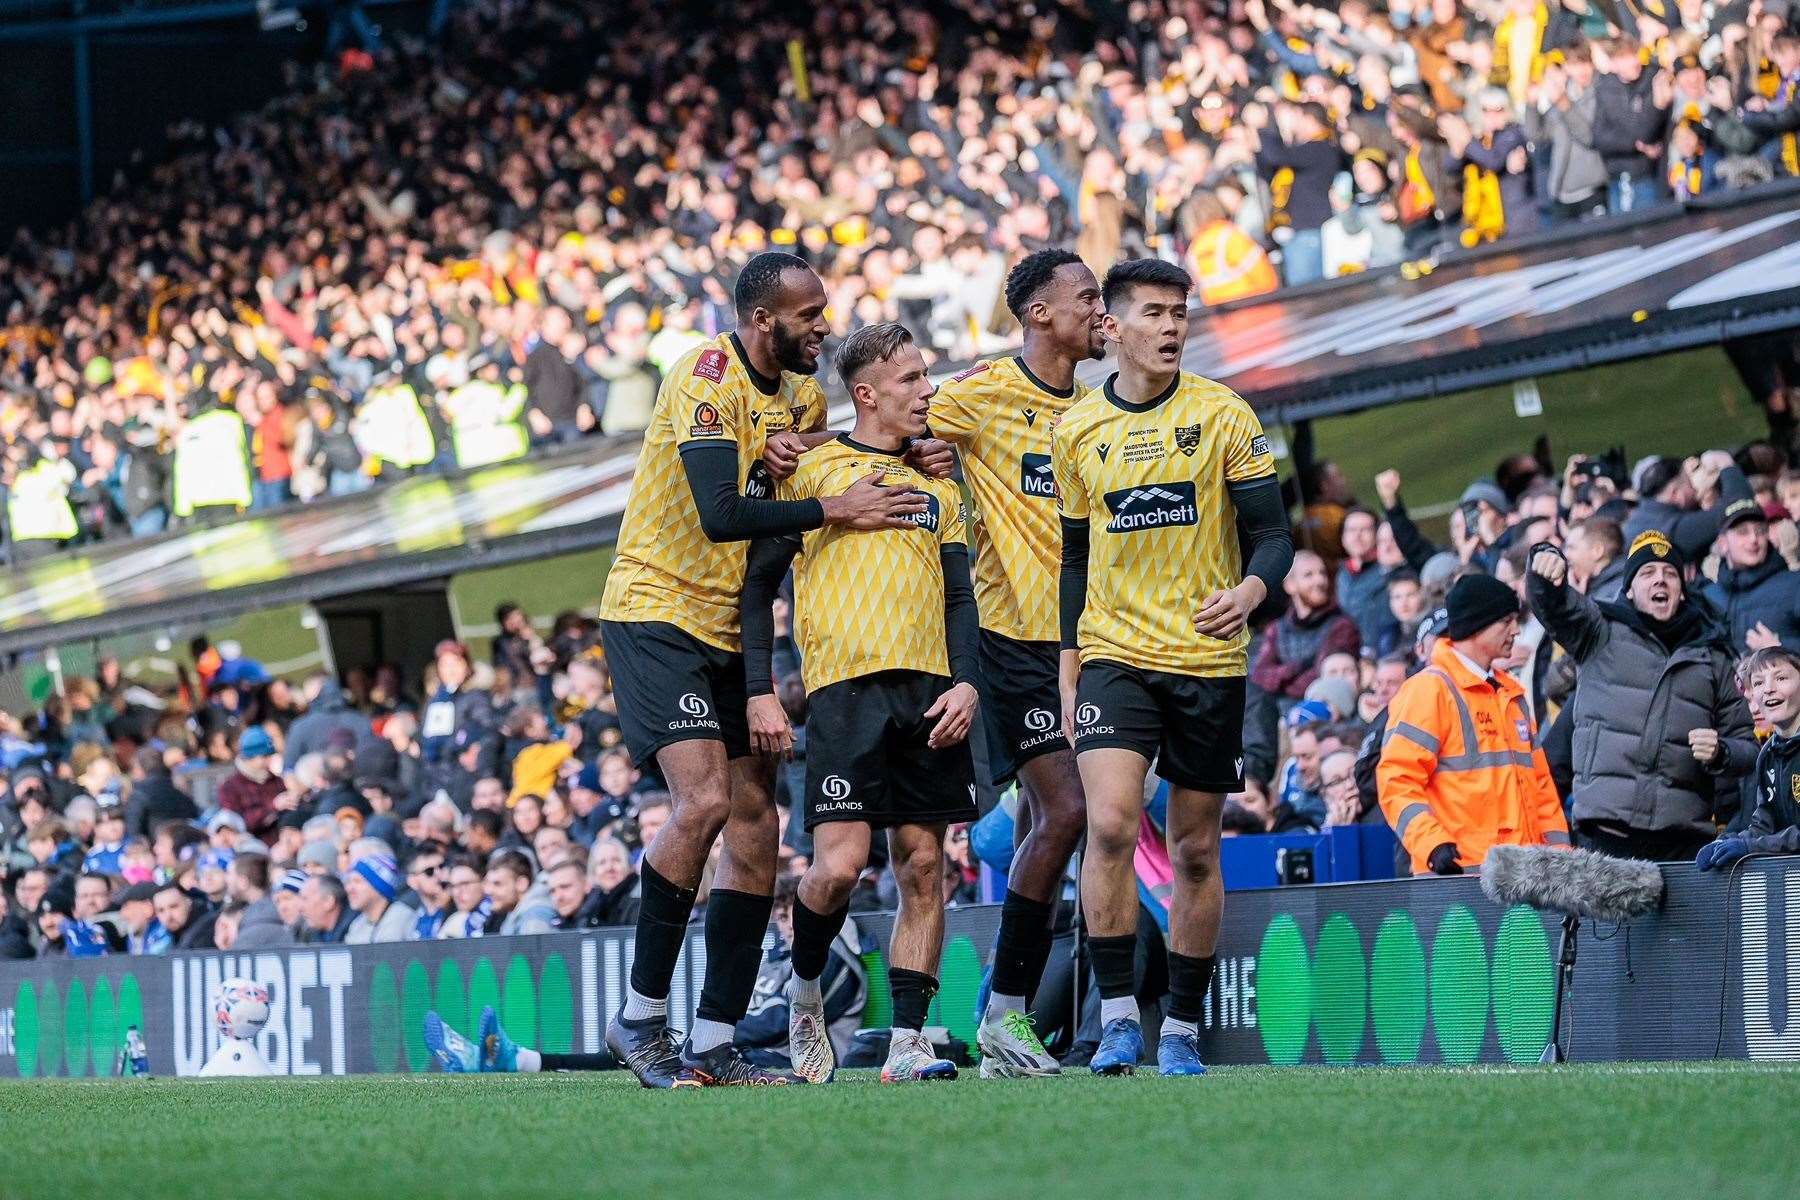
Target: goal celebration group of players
(1122, 537)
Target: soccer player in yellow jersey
(887, 633)
(1161, 477)
(730, 419)
(999, 415)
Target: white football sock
(528, 1061)
(1171, 1025)
(709, 1035)
(998, 1006)
(1118, 1006)
(804, 991)
(643, 1008)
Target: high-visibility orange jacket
(1230, 265)
(1459, 764)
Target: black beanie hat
(1650, 546)
(1475, 602)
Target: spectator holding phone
(1686, 500)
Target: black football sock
(661, 929)
(813, 935)
(1022, 947)
(1189, 978)
(912, 991)
(735, 924)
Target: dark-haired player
(886, 626)
(1159, 474)
(724, 427)
(1000, 413)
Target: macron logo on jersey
(1152, 506)
(1036, 477)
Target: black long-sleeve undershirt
(768, 565)
(726, 514)
(1263, 530)
(1072, 580)
(962, 624)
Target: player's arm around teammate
(669, 621)
(887, 631)
(999, 413)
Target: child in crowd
(1774, 828)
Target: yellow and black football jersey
(1151, 480)
(665, 568)
(868, 601)
(1000, 415)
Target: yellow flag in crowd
(797, 64)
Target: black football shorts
(672, 687)
(1021, 703)
(867, 757)
(1191, 727)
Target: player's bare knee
(703, 806)
(1060, 826)
(829, 883)
(754, 823)
(919, 871)
(1195, 858)
(1111, 835)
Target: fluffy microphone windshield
(1579, 882)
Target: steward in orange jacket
(1230, 265)
(1459, 769)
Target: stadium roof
(1647, 285)
(423, 528)
(1664, 280)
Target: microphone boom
(1577, 883)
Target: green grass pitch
(1709, 1129)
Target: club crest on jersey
(1036, 477)
(706, 421)
(1103, 448)
(710, 365)
(1030, 415)
(1187, 439)
(1152, 506)
(971, 372)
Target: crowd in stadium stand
(495, 799)
(442, 255)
